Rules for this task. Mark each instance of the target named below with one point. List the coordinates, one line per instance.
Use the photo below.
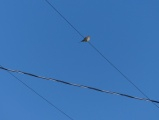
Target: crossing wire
(72, 84)
(30, 88)
(101, 54)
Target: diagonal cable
(50, 103)
(51, 5)
(120, 72)
(76, 85)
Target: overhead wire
(118, 70)
(64, 18)
(30, 88)
(101, 54)
(71, 84)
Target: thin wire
(64, 18)
(101, 53)
(73, 84)
(50, 103)
(116, 68)
(120, 72)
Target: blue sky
(35, 39)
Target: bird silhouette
(86, 39)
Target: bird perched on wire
(86, 39)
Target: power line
(50, 103)
(120, 72)
(64, 18)
(116, 68)
(101, 54)
(71, 84)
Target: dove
(86, 39)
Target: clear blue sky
(35, 39)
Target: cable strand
(120, 72)
(76, 85)
(51, 5)
(50, 103)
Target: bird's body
(86, 39)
